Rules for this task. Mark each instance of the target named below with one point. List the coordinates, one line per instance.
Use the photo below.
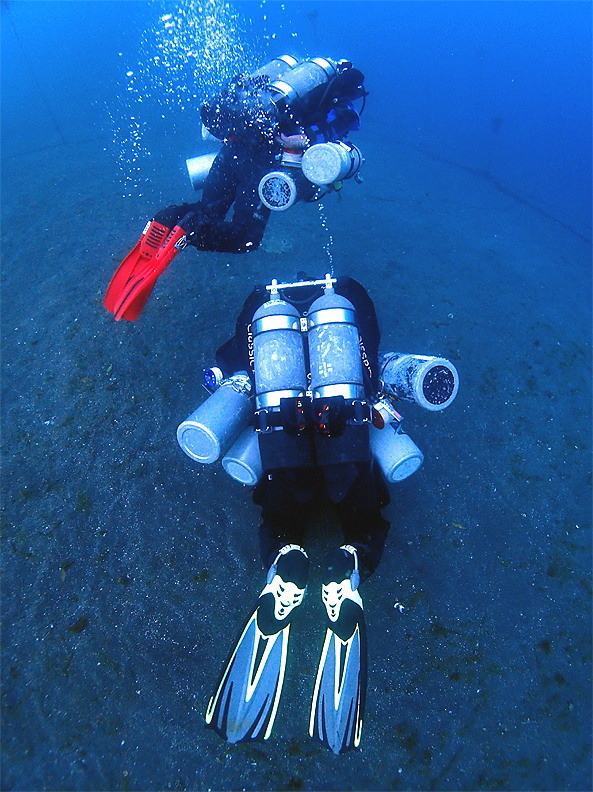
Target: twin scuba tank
(295, 89)
(271, 426)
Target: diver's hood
(243, 111)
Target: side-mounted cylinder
(198, 168)
(279, 189)
(213, 427)
(431, 382)
(395, 451)
(325, 164)
(243, 460)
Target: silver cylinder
(327, 163)
(212, 428)
(198, 169)
(396, 452)
(243, 461)
(276, 68)
(279, 356)
(295, 85)
(431, 382)
(334, 348)
(277, 190)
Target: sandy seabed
(128, 569)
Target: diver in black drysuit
(356, 488)
(253, 135)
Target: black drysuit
(233, 179)
(356, 488)
(245, 157)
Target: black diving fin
(339, 697)
(246, 700)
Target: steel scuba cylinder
(243, 460)
(339, 405)
(327, 163)
(280, 380)
(198, 168)
(278, 351)
(396, 452)
(276, 68)
(334, 348)
(278, 190)
(292, 90)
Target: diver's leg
(220, 187)
(339, 697)
(235, 181)
(217, 196)
(250, 215)
(362, 523)
(284, 495)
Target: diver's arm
(340, 120)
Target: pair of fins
(246, 700)
(135, 277)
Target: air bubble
(184, 58)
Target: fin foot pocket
(145, 249)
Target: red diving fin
(134, 279)
(152, 236)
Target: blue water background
(439, 73)
(127, 570)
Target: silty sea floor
(128, 569)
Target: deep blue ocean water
(127, 570)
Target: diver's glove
(294, 143)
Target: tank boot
(339, 697)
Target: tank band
(327, 67)
(275, 322)
(285, 90)
(272, 399)
(347, 390)
(331, 316)
(289, 60)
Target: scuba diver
(302, 404)
(283, 131)
(301, 397)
